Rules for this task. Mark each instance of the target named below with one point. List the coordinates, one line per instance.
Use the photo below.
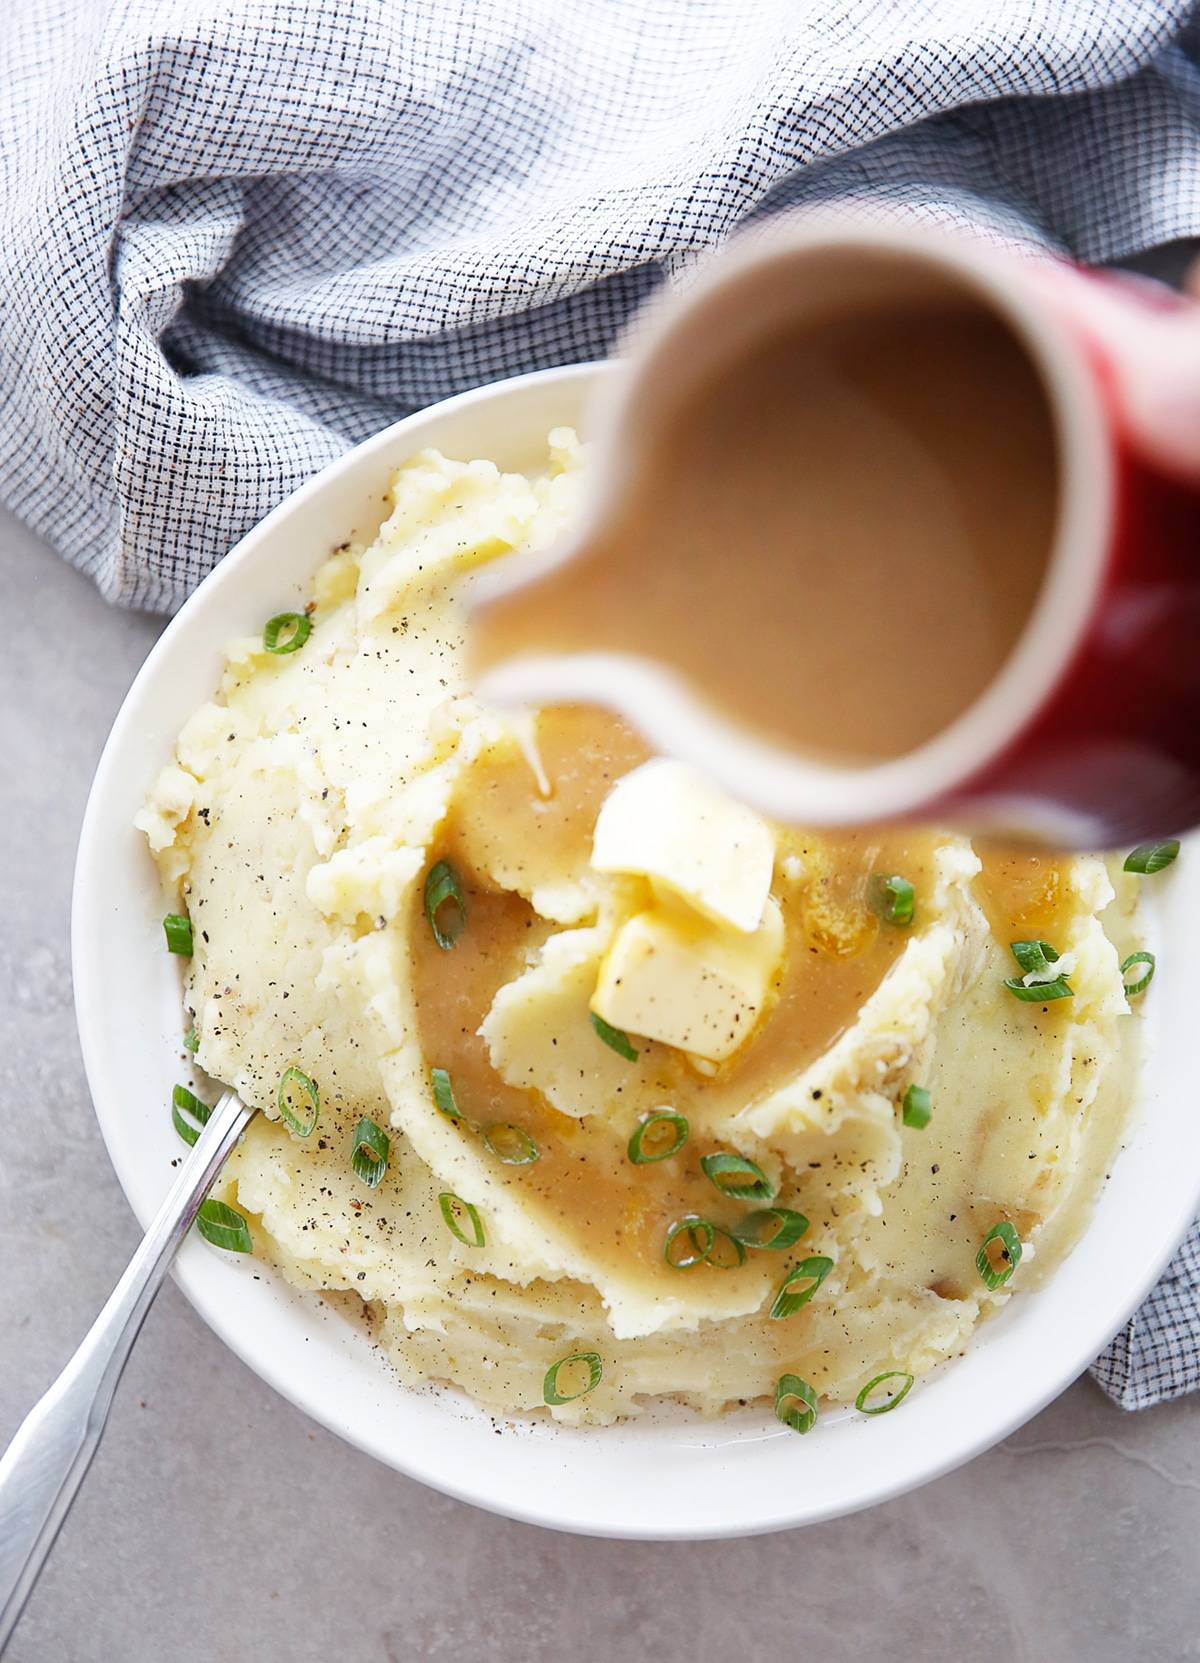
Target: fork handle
(45, 1463)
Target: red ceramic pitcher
(1090, 734)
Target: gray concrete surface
(217, 1521)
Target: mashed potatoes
(656, 1055)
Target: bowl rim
(1001, 1410)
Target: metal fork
(45, 1463)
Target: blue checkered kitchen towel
(239, 235)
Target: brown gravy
(1024, 894)
(502, 820)
(838, 950)
(840, 550)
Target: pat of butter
(672, 978)
(664, 821)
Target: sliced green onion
(701, 1236)
(448, 1202)
(917, 1108)
(550, 1387)
(892, 1399)
(770, 1227)
(182, 1098)
(178, 930)
(1132, 989)
(737, 1177)
(369, 1151)
(511, 1144)
(652, 1128)
(443, 1093)
(1033, 956)
(184, 1102)
(1036, 959)
(795, 1403)
(303, 1124)
(894, 897)
(1152, 857)
(614, 1038)
(443, 890)
(1040, 993)
(287, 632)
(1010, 1254)
(726, 1252)
(189, 1133)
(224, 1227)
(191, 1040)
(813, 1271)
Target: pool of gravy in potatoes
(837, 951)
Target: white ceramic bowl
(668, 1475)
